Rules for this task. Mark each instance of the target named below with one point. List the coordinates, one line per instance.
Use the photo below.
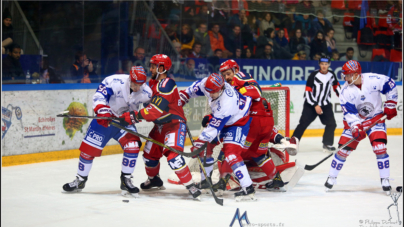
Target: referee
(318, 103)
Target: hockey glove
(390, 109)
(130, 117)
(206, 119)
(103, 111)
(197, 144)
(358, 133)
(184, 97)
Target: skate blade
(250, 197)
(281, 189)
(129, 195)
(198, 198)
(205, 191)
(326, 189)
(71, 192)
(155, 189)
(388, 193)
(327, 151)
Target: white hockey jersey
(365, 103)
(231, 108)
(114, 91)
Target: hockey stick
(217, 200)
(196, 152)
(311, 167)
(90, 117)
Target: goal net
(279, 98)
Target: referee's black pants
(309, 114)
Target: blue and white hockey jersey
(114, 91)
(365, 103)
(231, 108)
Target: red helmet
(214, 83)
(137, 75)
(351, 66)
(229, 64)
(161, 59)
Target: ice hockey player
(262, 128)
(361, 104)
(230, 122)
(165, 110)
(115, 95)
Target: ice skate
(128, 189)
(386, 185)
(328, 148)
(77, 185)
(204, 185)
(247, 194)
(330, 182)
(276, 184)
(153, 184)
(220, 186)
(194, 191)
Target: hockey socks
(241, 172)
(85, 164)
(383, 163)
(267, 165)
(336, 165)
(208, 169)
(181, 170)
(129, 162)
(152, 167)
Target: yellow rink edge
(116, 149)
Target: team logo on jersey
(363, 97)
(94, 137)
(228, 92)
(374, 87)
(365, 109)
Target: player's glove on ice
(197, 144)
(206, 119)
(390, 109)
(103, 111)
(184, 98)
(130, 117)
(358, 133)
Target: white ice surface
(31, 195)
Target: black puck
(125, 201)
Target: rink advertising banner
(30, 125)
(278, 70)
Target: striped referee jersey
(318, 88)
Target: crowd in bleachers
(277, 29)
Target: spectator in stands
(267, 22)
(190, 66)
(247, 54)
(219, 53)
(217, 41)
(177, 47)
(281, 40)
(254, 25)
(254, 8)
(7, 31)
(82, 68)
(349, 55)
(214, 61)
(318, 45)
(241, 20)
(196, 51)
(188, 16)
(297, 42)
(334, 55)
(11, 68)
(202, 15)
(233, 40)
(47, 73)
(317, 56)
(268, 53)
(303, 22)
(186, 37)
(219, 16)
(320, 23)
(238, 53)
(202, 37)
(330, 41)
(302, 55)
(395, 22)
(305, 7)
(138, 58)
(172, 35)
(278, 51)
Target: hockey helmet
(351, 66)
(229, 64)
(324, 59)
(161, 59)
(214, 83)
(137, 75)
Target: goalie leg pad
(85, 164)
